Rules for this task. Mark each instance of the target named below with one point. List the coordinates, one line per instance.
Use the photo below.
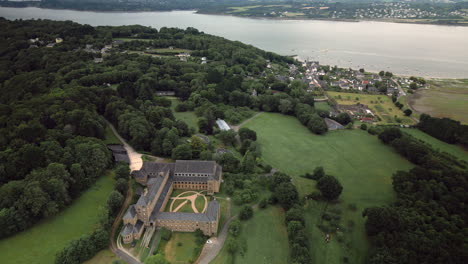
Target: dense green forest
(56, 99)
(428, 223)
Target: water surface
(409, 49)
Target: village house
(161, 179)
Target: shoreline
(349, 20)
(198, 11)
(374, 70)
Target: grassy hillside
(363, 165)
(40, 243)
(264, 237)
(454, 150)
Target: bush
(234, 227)
(316, 195)
(166, 234)
(263, 203)
(330, 187)
(246, 213)
(390, 134)
(363, 126)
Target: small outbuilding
(223, 126)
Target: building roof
(154, 186)
(121, 157)
(153, 168)
(222, 125)
(332, 124)
(195, 166)
(138, 226)
(128, 229)
(130, 214)
(212, 210)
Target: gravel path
(135, 158)
(135, 164)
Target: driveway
(135, 158)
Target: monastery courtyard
(187, 201)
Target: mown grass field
(180, 249)
(103, 257)
(40, 243)
(381, 105)
(264, 237)
(444, 98)
(363, 165)
(454, 150)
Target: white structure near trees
(223, 126)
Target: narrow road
(135, 158)
(401, 92)
(210, 251)
(135, 164)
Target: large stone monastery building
(161, 179)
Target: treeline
(445, 129)
(51, 147)
(286, 195)
(87, 246)
(428, 222)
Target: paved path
(210, 251)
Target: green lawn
(188, 117)
(103, 257)
(200, 203)
(40, 243)
(454, 150)
(265, 239)
(322, 106)
(363, 165)
(180, 249)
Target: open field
(188, 117)
(454, 150)
(444, 98)
(180, 249)
(381, 105)
(103, 257)
(265, 239)
(363, 165)
(40, 243)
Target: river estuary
(407, 49)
